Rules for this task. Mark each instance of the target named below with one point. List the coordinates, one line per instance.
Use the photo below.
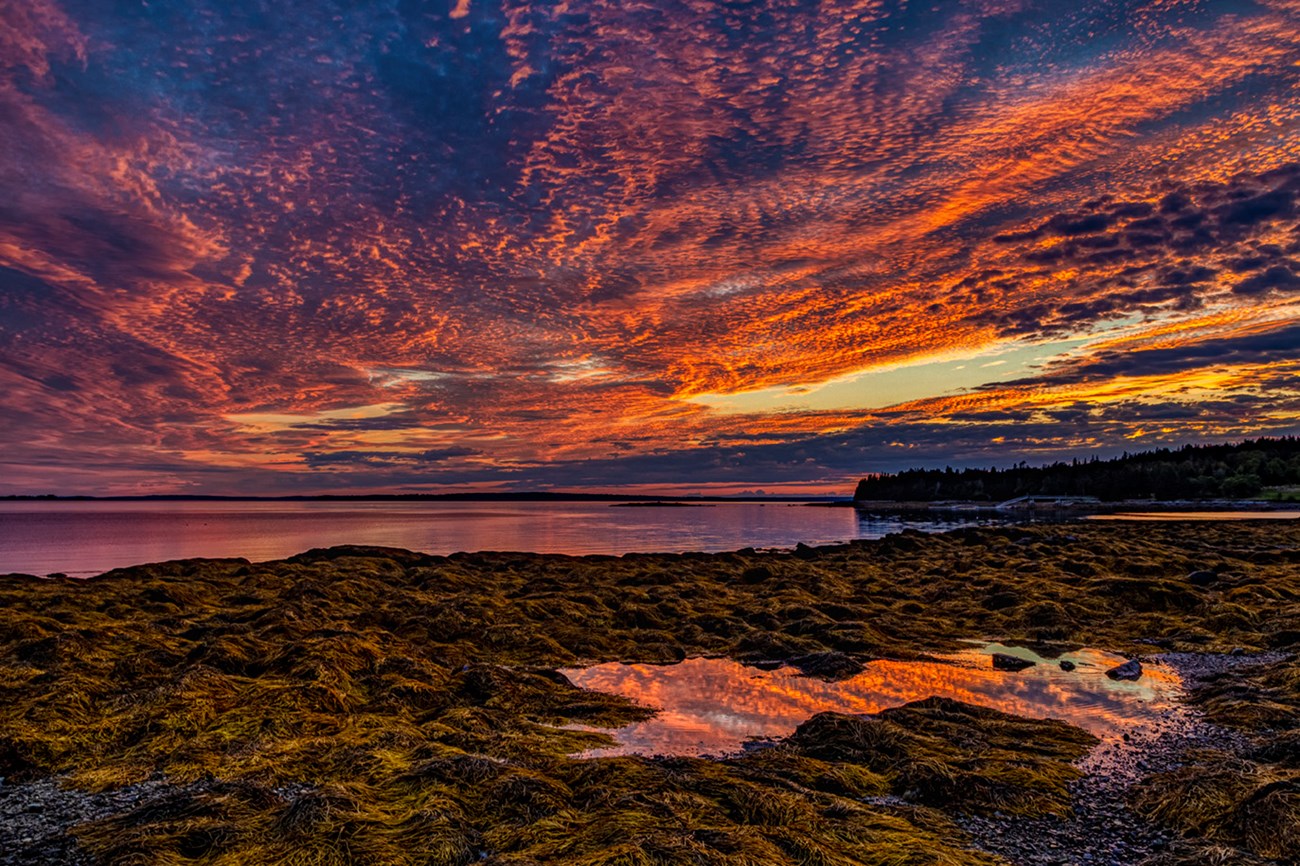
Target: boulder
(1130, 670)
(803, 551)
(1067, 665)
(1004, 662)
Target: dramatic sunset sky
(672, 245)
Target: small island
(663, 503)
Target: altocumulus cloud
(358, 245)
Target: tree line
(1236, 471)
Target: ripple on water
(713, 706)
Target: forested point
(1254, 469)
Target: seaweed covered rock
(1229, 800)
(828, 665)
(1282, 749)
(867, 740)
(226, 823)
(1250, 800)
(1266, 696)
(945, 753)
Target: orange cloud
(542, 232)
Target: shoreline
(1180, 506)
(339, 690)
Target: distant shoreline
(958, 508)
(947, 508)
(436, 497)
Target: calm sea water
(86, 538)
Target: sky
(673, 246)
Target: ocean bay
(84, 538)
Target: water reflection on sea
(86, 538)
(713, 706)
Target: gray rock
(1004, 662)
(1130, 670)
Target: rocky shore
(379, 706)
(1103, 828)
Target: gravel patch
(36, 818)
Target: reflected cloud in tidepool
(713, 706)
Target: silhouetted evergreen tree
(1237, 471)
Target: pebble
(36, 817)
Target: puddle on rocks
(714, 706)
